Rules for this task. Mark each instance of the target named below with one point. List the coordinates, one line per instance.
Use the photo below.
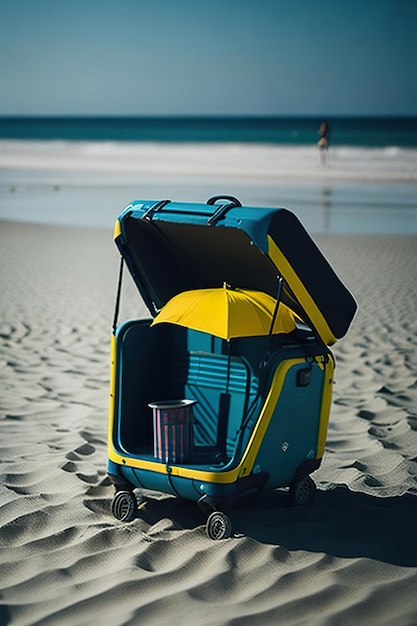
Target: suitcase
(252, 408)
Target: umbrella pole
(228, 366)
(223, 415)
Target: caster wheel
(302, 491)
(124, 505)
(218, 526)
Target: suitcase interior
(167, 362)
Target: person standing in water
(323, 142)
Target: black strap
(274, 317)
(118, 295)
(158, 206)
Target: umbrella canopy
(227, 313)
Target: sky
(208, 57)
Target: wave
(254, 162)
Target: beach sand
(348, 559)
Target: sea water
(353, 131)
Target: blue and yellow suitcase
(226, 388)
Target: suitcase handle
(223, 208)
(231, 199)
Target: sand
(349, 558)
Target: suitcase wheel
(218, 526)
(302, 491)
(124, 506)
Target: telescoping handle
(222, 208)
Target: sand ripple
(350, 558)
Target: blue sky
(232, 57)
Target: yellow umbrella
(227, 313)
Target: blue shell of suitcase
(260, 404)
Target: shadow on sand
(340, 522)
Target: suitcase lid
(170, 247)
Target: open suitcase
(206, 403)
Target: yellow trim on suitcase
(117, 229)
(112, 394)
(289, 275)
(228, 476)
(325, 406)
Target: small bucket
(173, 436)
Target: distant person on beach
(323, 142)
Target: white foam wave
(254, 162)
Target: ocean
(344, 131)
